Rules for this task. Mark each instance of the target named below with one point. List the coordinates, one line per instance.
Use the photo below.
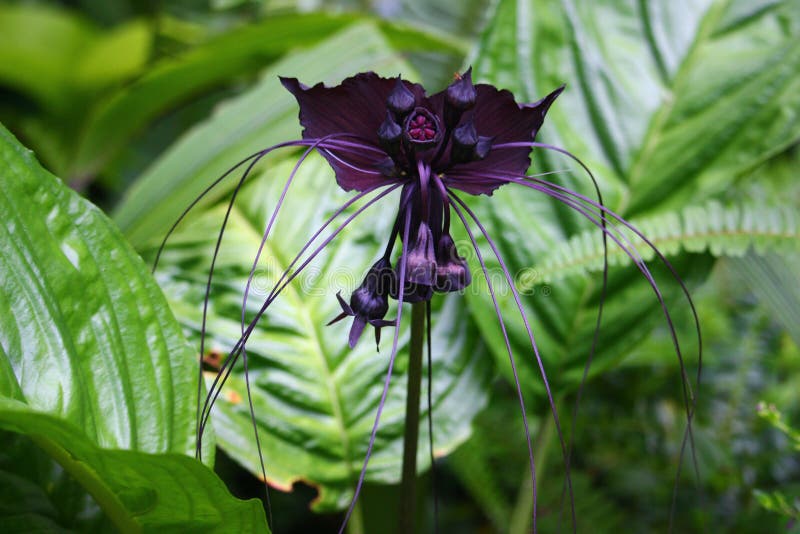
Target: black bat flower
(427, 144)
(380, 135)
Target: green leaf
(116, 55)
(83, 326)
(87, 341)
(662, 99)
(775, 418)
(773, 277)
(669, 105)
(139, 492)
(122, 114)
(315, 400)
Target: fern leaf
(722, 230)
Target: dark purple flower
(381, 135)
(449, 134)
(428, 144)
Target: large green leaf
(666, 104)
(84, 327)
(56, 64)
(138, 492)
(88, 342)
(315, 400)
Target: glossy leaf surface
(91, 359)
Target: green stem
(523, 509)
(408, 497)
(356, 523)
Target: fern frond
(722, 230)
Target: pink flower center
(421, 126)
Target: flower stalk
(408, 494)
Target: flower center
(421, 126)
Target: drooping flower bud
(421, 258)
(401, 100)
(452, 271)
(371, 298)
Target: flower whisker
(600, 212)
(531, 338)
(514, 372)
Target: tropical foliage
(687, 112)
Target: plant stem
(356, 523)
(523, 509)
(408, 496)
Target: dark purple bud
(401, 100)
(459, 97)
(422, 128)
(461, 94)
(465, 139)
(370, 299)
(468, 145)
(452, 271)
(369, 302)
(389, 133)
(421, 258)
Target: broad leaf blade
(83, 325)
(38, 48)
(120, 115)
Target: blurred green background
(688, 112)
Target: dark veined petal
(497, 116)
(355, 108)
